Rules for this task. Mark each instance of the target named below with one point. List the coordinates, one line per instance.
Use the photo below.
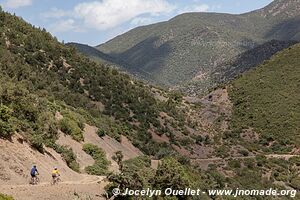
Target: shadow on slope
(286, 30)
(147, 57)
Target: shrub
(36, 141)
(295, 183)
(5, 197)
(234, 164)
(71, 128)
(222, 151)
(244, 152)
(295, 160)
(261, 160)
(68, 156)
(101, 133)
(6, 129)
(101, 163)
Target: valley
(224, 116)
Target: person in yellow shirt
(55, 175)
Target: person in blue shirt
(34, 172)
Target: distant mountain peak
(284, 8)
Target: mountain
(59, 107)
(173, 52)
(51, 96)
(266, 100)
(234, 67)
(97, 55)
(40, 76)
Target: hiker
(55, 175)
(34, 172)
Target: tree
(118, 157)
(171, 174)
(6, 129)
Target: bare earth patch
(110, 145)
(82, 158)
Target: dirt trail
(88, 188)
(279, 156)
(16, 160)
(204, 162)
(85, 180)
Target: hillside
(173, 52)
(267, 100)
(47, 77)
(97, 55)
(253, 124)
(234, 67)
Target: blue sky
(96, 21)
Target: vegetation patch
(267, 99)
(68, 156)
(5, 197)
(101, 163)
(71, 127)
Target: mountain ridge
(173, 52)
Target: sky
(96, 21)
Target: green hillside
(234, 67)
(40, 76)
(267, 99)
(97, 55)
(196, 44)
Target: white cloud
(17, 3)
(194, 8)
(57, 13)
(65, 26)
(106, 14)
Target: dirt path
(90, 187)
(279, 156)
(16, 160)
(205, 162)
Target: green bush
(101, 163)
(5, 197)
(101, 133)
(295, 183)
(6, 129)
(234, 164)
(295, 160)
(71, 128)
(68, 156)
(244, 152)
(222, 151)
(36, 141)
